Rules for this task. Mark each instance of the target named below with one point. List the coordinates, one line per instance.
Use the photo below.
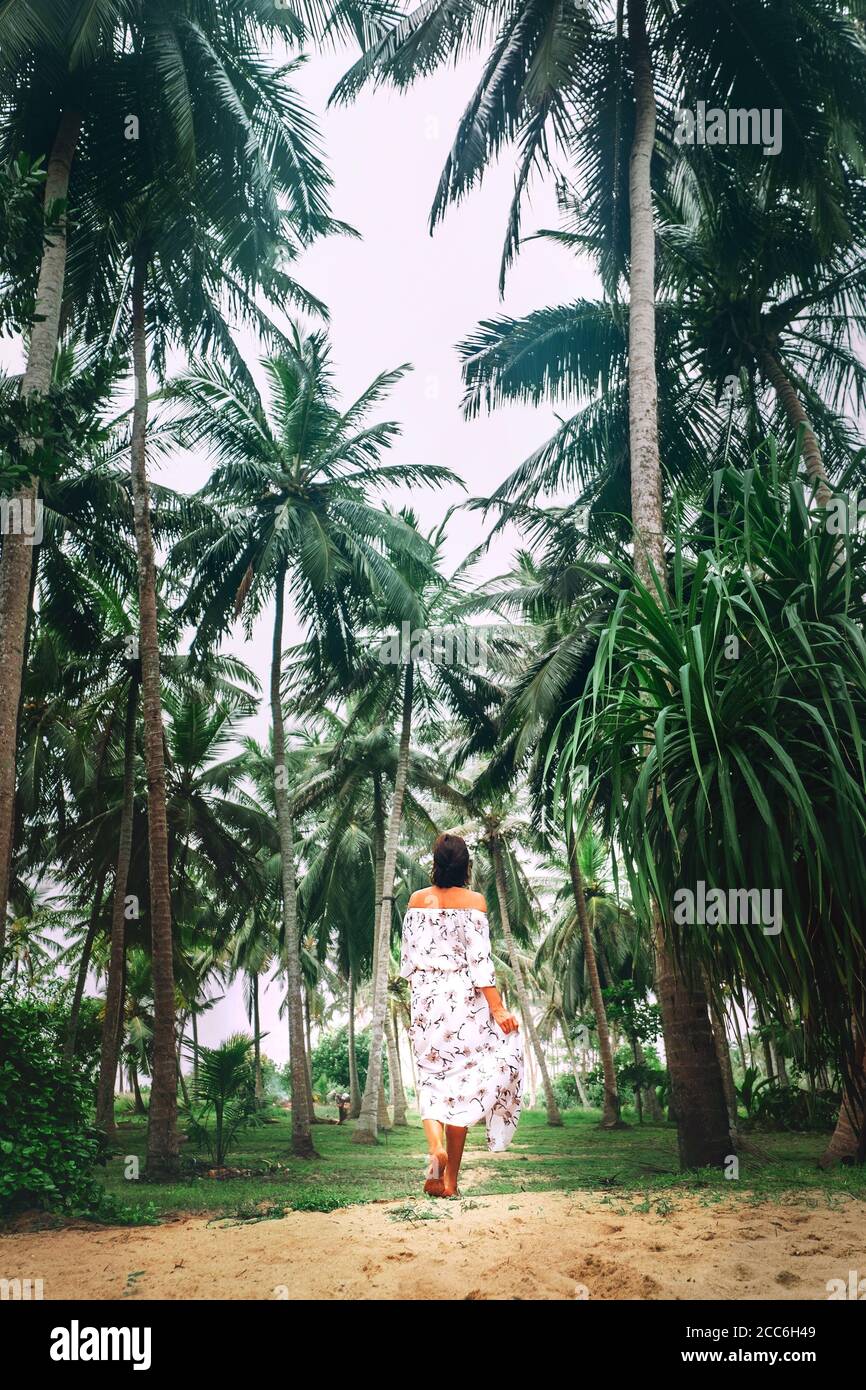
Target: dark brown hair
(450, 862)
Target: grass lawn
(577, 1157)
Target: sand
(532, 1246)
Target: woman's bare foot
(449, 1185)
(435, 1173)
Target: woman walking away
(466, 1043)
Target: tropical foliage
(650, 727)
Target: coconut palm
(292, 522)
(432, 669)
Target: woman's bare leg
(455, 1138)
(435, 1132)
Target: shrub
(790, 1108)
(224, 1097)
(48, 1146)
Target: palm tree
(292, 521)
(498, 833)
(427, 667)
(790, 787)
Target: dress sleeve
(407, 964)
(478, 957)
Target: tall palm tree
(429, 667)
(292, 522)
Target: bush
(565, 1091)
(329, 1062)
(48, 1146)
(224, 1097)
(790, 1108)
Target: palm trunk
(81, 977)
(653, 1106)
(646, 478)
(796, 413)
(696, 1086)
(765, 1042)
(383, 1118)
(194, 1023)
(162, 1139)
(723, 1053)
(553, 1115)
(178, 1052)
(16, 559)
(367, 1127)
(136, 1091)
(302, 1142)
(398, 1095)
(257, 1041)
(354, 1088)
(530, 1071)
(696, 1082)
(611, 1117)
(575, 1070)
(848, 1144)
(308, 1057)
(114, 989)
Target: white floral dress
(468, 1069)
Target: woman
(467, 1045)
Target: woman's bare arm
(506, 1020)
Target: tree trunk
(653, 1106)
(765, 1042)
(178, 1052)
(354, 1088)
(611, 1117)
(848, 1144)
(114, 988)
(194, 1024)
(81, 977)
(16, 559)
(308, 1057)
(553, 1115)
(257, 1041)
(575, 1070)
(162, 1139)
(383, 1118)
(646, 477)
(796, 413)
(723, 1052)
(136, 1091)
(398, 1096)
(696, 1082)
(366, 1131)
(302, 1142)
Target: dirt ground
(533, 1246)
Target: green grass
(578, 1157)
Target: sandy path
(539, 1246)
